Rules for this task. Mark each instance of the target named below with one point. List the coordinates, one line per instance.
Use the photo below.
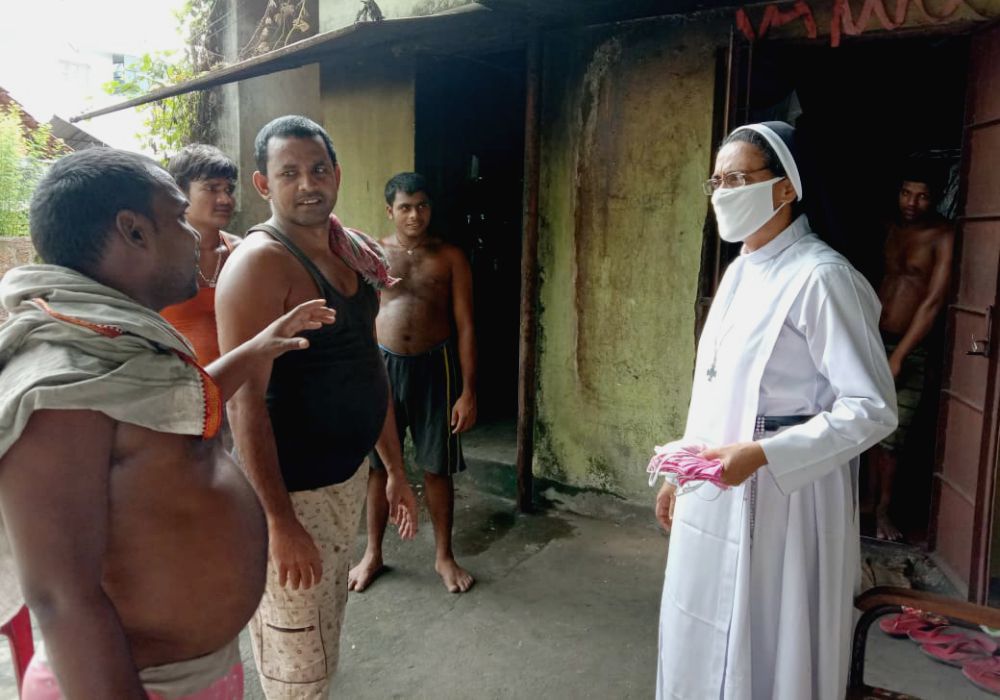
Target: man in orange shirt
(207, 176)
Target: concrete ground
(565, 606)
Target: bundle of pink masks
(680, 464)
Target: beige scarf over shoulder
(72, 343)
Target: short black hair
(754, 138)
(408, 183)
(924, 171)
(199, 161)
(289, 126)
(75, 204)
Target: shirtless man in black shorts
(918, 255)
(426, 332)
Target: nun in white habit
(791, 385)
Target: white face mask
(741, 211)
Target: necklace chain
(711, 373)
(218, 268)
(409, 251)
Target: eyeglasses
(730, 180)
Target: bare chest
(910, 253)
(422, 274)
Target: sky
(54, 55)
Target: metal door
(967, 454)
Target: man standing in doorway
(421, 322)
(918, 255)
(304, 429)
(207, 177)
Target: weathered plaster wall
(261, 100)
(249, 104)
(627, 126)
(368, 109)
(334, 14)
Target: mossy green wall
(368, 112)
(627, 128)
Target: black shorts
(425, 387)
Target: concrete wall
(368, 109)
(626, 141)
(249, 104)
(627, 119)
(14, 251)
(261, 100)
(627, 126)
(335, 14)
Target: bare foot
(456, 579)
(368, 569)
(884, 528)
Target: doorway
(861, 111)
(470, 147)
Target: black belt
(768, 424)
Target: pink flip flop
(910, 620)
(960, 651)
(941, 636)
(984, 673)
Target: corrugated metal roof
(431, 31)
(74, 136)
(484, 25)
(29, 124)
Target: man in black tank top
(304, 428)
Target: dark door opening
(861, 111)
(470, 146)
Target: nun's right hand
(665, 500)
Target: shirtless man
(207, 177)
(304, 428)
(138, 543)
(435, 394)
(918, 256)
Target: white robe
(793, 331)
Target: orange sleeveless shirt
(195, 319)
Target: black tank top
(328, 402)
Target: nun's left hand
(739, 460)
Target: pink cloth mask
(682, 465)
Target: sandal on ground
(984, 673)
(960, 651)
(939, 636)
(910, 620)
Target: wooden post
(526, 378)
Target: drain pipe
(527, 376)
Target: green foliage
(23, 159)
(175, 122)
(172, 123)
